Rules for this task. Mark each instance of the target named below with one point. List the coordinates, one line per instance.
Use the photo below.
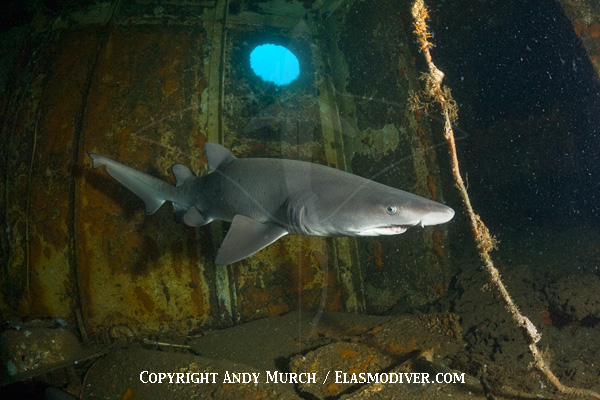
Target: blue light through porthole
(274, 63)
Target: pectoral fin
(245, 237)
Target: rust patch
(578, 27)
(595, 30)
(333, 388)
(290, 274)
(321, 258)
(441, 288)
(347, 353)
(378, 254)
(431, 186)
(278, 309)
(397, 349)
(128, 394)
(145, 300)
(438, 243)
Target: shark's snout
(440, 215)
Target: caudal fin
(151, 190)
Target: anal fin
(245, 237)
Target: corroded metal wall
(148, 85)
(374, 67)
(142, 108)
(294, 121)
(77, 241)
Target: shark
(267, 198)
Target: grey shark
(267, 198)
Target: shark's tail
(153, 191)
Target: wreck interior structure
(149, 83)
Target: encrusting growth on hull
(436, 94)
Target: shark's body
(267, 198)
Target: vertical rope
(436, 94)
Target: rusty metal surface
(149, 92)
(261, 121)
(39, 167)
(141, 109)
(385, 142)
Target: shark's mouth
(385, 230)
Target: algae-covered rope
(436, 94)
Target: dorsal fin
(182, 173)
(217, 156)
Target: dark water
(530, 106)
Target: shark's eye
(391, 210)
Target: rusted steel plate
(144, 272)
